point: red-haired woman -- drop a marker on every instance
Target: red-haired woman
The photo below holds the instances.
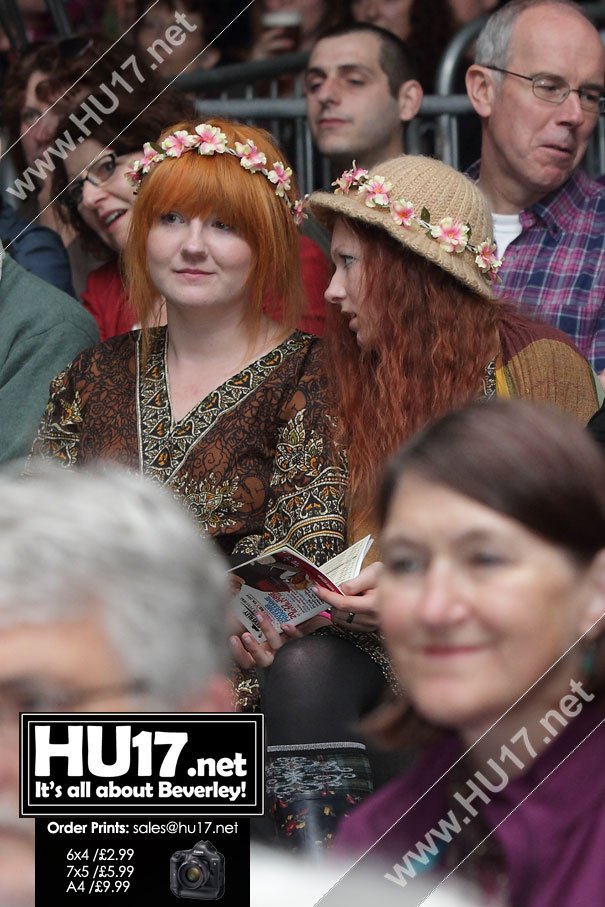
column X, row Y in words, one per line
column 415, row 329
column 414, row 311
column 222, row 404
column 96, row 201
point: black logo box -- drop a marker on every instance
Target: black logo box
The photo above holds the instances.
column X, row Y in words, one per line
column 221, row 751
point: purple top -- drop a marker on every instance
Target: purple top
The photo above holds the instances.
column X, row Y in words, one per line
column 553, row 842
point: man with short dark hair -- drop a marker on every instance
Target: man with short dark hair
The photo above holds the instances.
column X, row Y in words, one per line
column 538, row 84
column 361, row 90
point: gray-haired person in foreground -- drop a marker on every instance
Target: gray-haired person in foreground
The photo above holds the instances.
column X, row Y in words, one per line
column 110, row 600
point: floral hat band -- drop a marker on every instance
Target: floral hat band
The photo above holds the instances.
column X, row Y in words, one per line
column 209, row 140
column 451, row 233
column 423, row 204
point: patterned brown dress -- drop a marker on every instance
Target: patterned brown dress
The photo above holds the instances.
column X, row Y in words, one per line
column 254, row 461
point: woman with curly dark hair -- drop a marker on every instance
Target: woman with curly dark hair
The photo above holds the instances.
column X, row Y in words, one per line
column 46, row 82
column 98, row 208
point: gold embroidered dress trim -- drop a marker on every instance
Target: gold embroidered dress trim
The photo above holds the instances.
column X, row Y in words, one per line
column 164, row 444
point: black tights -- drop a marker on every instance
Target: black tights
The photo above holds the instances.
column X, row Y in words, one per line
column 316, row 690
column 313, row 696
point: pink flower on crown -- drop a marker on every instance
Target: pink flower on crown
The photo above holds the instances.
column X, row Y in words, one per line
column 298, row 210
column 403, row 212
column 359, row 173
column 487, row 260
column 280, row 175
column 209, row 139
column 451, row 234
column 377, row 190
column 150, row 156
column 250, row 157
column 343, row 183
column 134, row 176
column 355, row 176
column 179, row 141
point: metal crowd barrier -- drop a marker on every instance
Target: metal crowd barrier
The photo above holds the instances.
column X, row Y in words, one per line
column 286, row 118
column 252, row 92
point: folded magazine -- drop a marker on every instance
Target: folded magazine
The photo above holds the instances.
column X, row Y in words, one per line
column 280, row 583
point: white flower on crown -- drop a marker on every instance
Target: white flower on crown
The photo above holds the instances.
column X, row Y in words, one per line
column 280, row 175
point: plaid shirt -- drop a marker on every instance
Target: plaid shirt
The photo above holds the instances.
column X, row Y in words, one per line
column 556, row 266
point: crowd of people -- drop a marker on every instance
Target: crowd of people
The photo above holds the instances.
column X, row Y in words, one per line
column 412, row 352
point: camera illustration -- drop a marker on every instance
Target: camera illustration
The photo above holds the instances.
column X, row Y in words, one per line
column 198, row 873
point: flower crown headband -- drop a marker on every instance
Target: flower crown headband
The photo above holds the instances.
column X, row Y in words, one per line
column 451, row 233
column 208, row 140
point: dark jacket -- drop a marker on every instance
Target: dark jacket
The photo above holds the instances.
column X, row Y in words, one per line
column 37, row 249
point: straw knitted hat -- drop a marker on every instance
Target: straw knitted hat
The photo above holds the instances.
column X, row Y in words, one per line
column 426, row 205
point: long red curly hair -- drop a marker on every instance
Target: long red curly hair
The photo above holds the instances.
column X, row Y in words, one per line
column 432, row 338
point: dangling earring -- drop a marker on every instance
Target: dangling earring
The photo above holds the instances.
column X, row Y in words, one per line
column 589, row 659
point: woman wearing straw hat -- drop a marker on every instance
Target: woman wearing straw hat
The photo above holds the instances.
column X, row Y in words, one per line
column 414, row 330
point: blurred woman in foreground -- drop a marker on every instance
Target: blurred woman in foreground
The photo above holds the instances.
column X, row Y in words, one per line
column 491, row 604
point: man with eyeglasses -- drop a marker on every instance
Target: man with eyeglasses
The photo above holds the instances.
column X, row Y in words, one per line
column 538, row 84
column 110, row 600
